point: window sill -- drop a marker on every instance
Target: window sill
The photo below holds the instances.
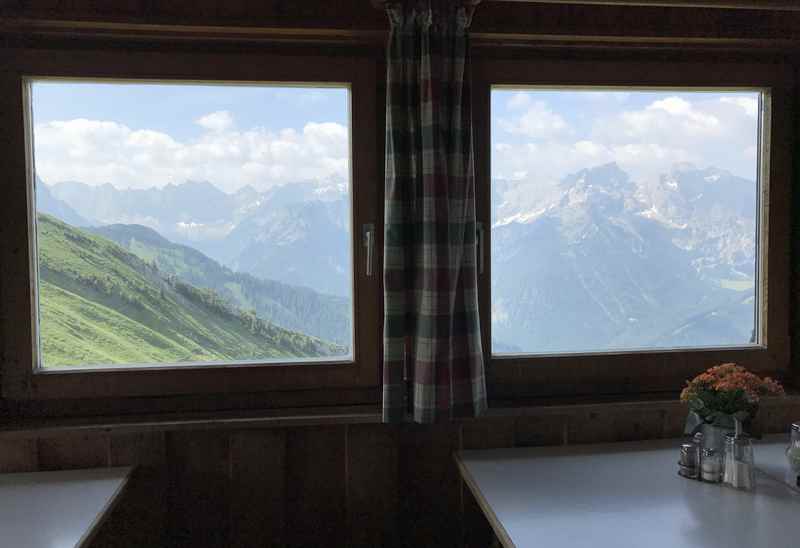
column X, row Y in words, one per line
column 338, row 415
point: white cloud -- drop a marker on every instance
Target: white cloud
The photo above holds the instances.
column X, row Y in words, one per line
column 597, row 96
column 669, row 119
column 748, row 104
column 220, row 120
column 519, row 100
column 530, row 160
column 97, row 152
column 538, row 122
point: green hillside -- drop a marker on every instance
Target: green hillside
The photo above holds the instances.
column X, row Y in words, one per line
column 101, row 304
column 293, row 307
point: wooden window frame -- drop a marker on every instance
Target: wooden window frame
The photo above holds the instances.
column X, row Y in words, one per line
column 21, row 380
column 637, row 372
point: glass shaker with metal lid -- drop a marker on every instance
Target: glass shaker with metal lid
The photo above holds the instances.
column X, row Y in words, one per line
column 793, row 451
column 739, row 466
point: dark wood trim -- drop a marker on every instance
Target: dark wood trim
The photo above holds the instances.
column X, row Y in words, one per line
column 19, row 379
column 596, row 22
column 769, row 5
column 216, row 420
column 514, row 378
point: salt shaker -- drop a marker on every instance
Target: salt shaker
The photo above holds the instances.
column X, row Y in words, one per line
column 739, row 466
column 697, row 440
column 793, row 452
column 711, row 466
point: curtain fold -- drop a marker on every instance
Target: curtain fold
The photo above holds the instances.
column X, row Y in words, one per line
column 433, row 360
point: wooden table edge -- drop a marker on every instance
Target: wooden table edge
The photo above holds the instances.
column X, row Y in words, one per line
column 88, row 536
column 497, row 527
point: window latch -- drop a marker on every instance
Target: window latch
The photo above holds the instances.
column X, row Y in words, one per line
column 368, row 232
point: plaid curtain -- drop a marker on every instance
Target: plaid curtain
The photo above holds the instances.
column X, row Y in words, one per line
column 433, row 361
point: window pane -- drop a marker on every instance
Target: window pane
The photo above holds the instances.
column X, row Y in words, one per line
column 191, row 223
column 624, row 220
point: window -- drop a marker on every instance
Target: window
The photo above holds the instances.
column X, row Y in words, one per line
column 636, row 222
column 625, row 219
column 196, row 224
column 191, row 223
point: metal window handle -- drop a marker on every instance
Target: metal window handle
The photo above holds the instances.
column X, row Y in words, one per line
column 480, row 232
column 369, row 243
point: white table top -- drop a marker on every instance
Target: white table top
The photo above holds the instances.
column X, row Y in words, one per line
column 56, row 509
column 623, row 495
column 771, row 459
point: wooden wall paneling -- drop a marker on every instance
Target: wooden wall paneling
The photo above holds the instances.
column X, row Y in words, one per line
column 674, row 419
column 258, row 493
column 141, row 517
column 430, row 485
column 488, row 433
column 777, row 416
column 18, row 456
column 316, row 491
column 611, row 423
column 372, row 485
column 69, row 451
column 198, row 488
column 540, row 430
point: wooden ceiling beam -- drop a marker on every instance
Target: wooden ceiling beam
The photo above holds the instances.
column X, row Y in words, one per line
column 770, row 5
column 356, row 22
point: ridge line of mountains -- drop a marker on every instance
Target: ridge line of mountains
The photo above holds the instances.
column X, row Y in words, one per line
column 600, row 262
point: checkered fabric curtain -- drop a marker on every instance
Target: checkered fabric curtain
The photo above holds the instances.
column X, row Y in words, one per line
column 433, row 361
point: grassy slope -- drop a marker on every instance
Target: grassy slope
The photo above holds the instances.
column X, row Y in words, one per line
column 293, row 307
column 101, row 304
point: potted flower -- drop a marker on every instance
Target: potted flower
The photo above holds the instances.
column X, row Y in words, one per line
column 723, row 396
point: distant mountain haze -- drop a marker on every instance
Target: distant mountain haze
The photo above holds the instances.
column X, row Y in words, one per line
column 292, row 233
column 609, row 264
column 597, row 262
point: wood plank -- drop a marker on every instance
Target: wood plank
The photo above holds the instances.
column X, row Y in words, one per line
column 198, row 489
column 141, row 518
column 772, row 5
column 488, row 433
column 64, row 452
column 257, row 511
column 316, row 492
column 160, row 422
column 372, row 482
column 615, row 423
column 540, row 430
column 18, row 456
column 430, row 488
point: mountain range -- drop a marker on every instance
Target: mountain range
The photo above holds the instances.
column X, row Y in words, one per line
column 601, row 262
column 610, row 264
column 261, row 233
column 101, row 304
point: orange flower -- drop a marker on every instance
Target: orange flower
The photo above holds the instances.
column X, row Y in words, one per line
column 732, row 380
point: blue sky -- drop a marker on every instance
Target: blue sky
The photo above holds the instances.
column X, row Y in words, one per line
column 141, row 135
column 137, row 135
column 545, row 134
column 172, row 110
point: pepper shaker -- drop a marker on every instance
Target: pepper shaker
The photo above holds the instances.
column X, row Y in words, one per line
column 689, row 463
